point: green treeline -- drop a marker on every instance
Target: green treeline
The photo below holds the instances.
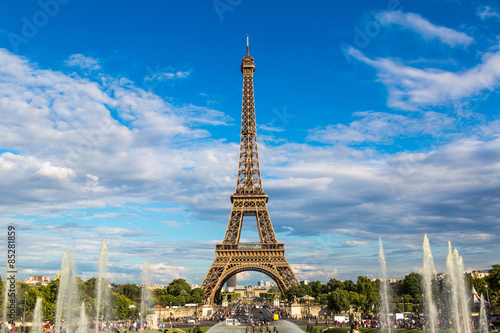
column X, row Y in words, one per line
column 404, row 294
column 124, row 300
column 363, row 295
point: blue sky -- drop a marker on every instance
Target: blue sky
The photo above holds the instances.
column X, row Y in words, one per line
column 120, row 120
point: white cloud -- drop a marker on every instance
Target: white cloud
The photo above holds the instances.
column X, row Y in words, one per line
column 84, row 62
column 383, row 128
column 411, row 88
column 313, row 273
column 355, row 243
column 264, row 127
column 173, row 224
column 423, row 27
column 485, row 12
column 169, row 76
column 54, row 172
column 64, row 133
column 161, row 75
column 166, row 273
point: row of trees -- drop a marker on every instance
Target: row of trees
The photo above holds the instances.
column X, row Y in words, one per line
column 124, row 300
column 405, row 294
column 363, row 295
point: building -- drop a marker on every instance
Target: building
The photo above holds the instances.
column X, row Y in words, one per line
column 477, row 274
column 305, row 282
column 250, row 291
column 37, row 280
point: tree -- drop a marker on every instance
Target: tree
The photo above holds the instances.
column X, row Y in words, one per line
column 316, row 288
column 121, row 306
column 493, row 280
column 338, row 300
column 349, row 285
column 410, row 285
column 334, row 284
column 479, row 284
column 131, row 291
column 368, row 294
column 90, row 287
column 197, row 295
column 297, row 291
column 177, row 286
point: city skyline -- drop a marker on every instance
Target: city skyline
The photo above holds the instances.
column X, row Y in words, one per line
column 375, row 118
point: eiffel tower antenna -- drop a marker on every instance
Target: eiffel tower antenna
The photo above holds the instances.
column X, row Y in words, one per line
column 249, row 199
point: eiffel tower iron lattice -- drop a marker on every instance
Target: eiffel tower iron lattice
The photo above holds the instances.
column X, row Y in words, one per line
column 249, row 199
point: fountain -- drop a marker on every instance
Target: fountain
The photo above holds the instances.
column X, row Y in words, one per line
column 428, row 273
column 145, row 293
column 456, row 295
column 82, row 322
column 37, row 316
column 67, row 304
column 384, row 313
column 483, row 321
column 102, row 284
column 458, row 302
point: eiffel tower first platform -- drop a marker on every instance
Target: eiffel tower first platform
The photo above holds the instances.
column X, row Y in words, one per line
column 249, row 199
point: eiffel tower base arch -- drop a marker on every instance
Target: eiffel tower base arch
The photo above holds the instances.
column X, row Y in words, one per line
column 229, row 260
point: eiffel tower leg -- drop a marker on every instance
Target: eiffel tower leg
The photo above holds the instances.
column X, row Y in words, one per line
column 212, row 281
column 265, row 227
column 233, row 230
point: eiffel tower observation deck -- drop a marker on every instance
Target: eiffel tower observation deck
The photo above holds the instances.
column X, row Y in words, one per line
column 249, row 199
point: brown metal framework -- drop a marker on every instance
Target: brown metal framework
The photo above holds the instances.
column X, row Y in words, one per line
column 249, row 199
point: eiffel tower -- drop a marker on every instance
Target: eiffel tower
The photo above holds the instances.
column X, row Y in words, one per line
column 249, row 199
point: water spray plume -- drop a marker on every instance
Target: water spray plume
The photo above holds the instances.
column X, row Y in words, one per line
column 102, row 284
column 384, row 311
column 429, row 272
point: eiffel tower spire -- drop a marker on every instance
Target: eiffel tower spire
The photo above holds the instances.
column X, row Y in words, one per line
column 249, row 181
column 249, row 199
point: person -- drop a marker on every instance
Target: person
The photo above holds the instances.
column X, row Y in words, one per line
column 354, row 329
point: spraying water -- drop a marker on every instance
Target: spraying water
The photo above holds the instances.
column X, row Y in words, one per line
column 459, row 300
column 63, row 286
column 67, row 305
column 145, row 293
column 384, row 313
column 82, row 322
column 37, row 317
column 463, row 293
column 483, row 321
column 453, row 301
column 429, row 271
column 102, row 283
